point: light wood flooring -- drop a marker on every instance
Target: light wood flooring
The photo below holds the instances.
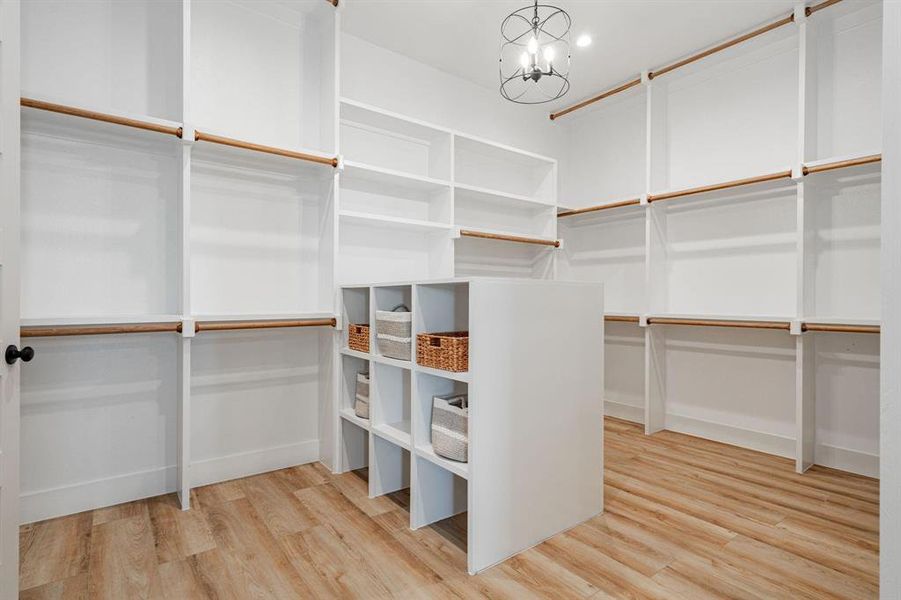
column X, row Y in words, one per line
column 685, row 518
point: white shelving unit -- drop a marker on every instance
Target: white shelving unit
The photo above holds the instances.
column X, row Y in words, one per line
column 794, row 248
column 521, row 445
column 134, row 222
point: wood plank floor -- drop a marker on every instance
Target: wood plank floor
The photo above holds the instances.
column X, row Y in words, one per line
column 685, row 518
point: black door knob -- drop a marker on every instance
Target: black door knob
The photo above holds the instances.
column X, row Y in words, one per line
column 13, row 354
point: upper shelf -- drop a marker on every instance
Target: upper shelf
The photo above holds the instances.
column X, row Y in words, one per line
column 356, row 173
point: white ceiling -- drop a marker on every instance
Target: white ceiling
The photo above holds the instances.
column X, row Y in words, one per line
column 462, row 37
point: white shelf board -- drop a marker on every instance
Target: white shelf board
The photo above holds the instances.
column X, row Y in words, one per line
column 264, row 316
column 396, row 433
column 841, row 321
column 355, row 353
column 349, row 415
column 462, row 376
column 498, row 197
column 388, row 222
column 480, row 145
column 354, row 111
column 722, row 317
column 97, row 320
column 393, row 362
column 358, row 171
column 748, row 190
column 457, row 468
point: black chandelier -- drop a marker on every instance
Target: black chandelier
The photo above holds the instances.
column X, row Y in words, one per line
column 535, row 56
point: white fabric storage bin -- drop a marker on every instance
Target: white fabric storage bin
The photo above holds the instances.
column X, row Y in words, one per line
column 394, row 330
column 361, row 398
column 450, row 426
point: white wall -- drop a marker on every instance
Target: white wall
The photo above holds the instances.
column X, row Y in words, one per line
column 890, row 443
column 388, row 80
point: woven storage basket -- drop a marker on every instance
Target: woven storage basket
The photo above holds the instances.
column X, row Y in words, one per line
column 393, row 329
column 358, row 337
column 450, row 426
column 448, row 351
column 361, row 399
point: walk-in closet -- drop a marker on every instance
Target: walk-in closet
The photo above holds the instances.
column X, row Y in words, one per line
column 512, row 299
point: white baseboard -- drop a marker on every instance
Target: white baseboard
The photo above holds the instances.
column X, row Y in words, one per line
column 98, row 493
column 844, row 459
column 729, row 434
column 626, row 412
column 233, row 466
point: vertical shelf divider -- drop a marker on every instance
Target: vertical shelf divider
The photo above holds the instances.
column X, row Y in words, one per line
column 184, row 225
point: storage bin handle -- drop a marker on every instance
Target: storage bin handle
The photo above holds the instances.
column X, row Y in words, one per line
column 434, row 340
column 400, row 307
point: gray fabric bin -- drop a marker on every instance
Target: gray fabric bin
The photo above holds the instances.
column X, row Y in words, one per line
column 450, row 426
column 361, row 398
column 394, row 330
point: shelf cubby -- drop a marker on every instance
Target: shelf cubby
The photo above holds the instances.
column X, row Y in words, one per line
column 260, row 230
column 265, row 72
column 731, row 252
column 490, row 166
column 607, row 158
column 106, row 55
column 475, row 208
column 842, row 234
column 726, row 116
column 608, row 247
column 844, row 423
column 844, row 81
column 394, row 199
column 99, row 219
column 390, row 396
column 383, row 139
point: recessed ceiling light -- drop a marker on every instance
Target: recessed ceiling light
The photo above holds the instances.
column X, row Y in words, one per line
column 583, row 41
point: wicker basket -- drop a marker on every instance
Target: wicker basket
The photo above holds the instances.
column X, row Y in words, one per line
column 448, row 351
column 450, row 426
column 361, row 398
column 358, row 337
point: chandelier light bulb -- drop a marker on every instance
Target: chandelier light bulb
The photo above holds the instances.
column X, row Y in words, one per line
column 549, row 54
column 583, row 41
column 524, row 60
column 533, row 46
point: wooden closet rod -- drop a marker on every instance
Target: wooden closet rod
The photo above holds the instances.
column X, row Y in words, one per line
column 591, row 209
column 720, row 47
column 695, row 57
column 783, row 325
column 67, row 330
column 509, row 238
column 841, row 164
column 224, row 141
column 235, row 325
column 817, row 7
column 720, row 186
column 621, row 318
column 840, row 328
column 99, row 116
column 598, row 98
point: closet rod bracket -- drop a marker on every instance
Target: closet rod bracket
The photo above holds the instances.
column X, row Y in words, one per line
column 187, row 328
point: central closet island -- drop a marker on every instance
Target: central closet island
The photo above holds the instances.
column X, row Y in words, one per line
column 535, row 424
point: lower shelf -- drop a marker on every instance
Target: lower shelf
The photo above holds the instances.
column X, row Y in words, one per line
column 397, row 433
column 457, row 468
column 349, row 415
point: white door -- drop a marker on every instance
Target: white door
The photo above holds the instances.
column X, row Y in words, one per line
column 9, row 298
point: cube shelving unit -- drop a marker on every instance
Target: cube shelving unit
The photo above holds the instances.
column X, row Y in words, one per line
column 534, row 462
